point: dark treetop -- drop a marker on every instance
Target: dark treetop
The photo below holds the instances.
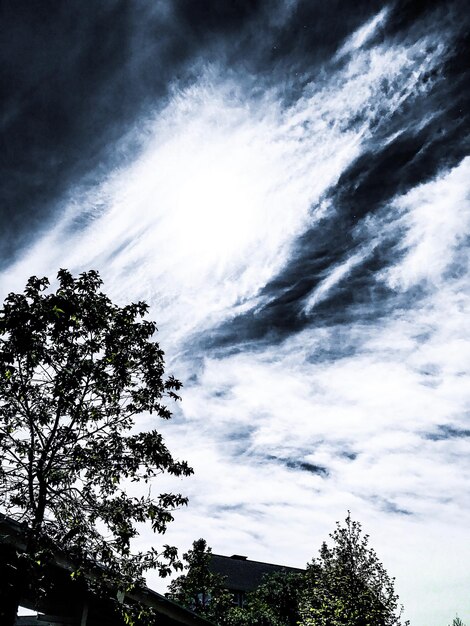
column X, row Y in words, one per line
column 75, row 370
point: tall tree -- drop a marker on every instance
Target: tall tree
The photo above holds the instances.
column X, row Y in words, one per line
column 347, row 585
column 75, row 371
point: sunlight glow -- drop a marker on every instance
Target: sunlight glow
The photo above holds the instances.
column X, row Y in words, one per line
column 227, row 179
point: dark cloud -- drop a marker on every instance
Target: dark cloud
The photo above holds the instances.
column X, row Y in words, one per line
column 351, row 456
column 389, row 506
column 299, row 464
column 238, row 440
column 427, row 135
column 447, row 431
column 413, row 12
column 358, row 297
column 309, row 467
column 76, row 76
column 208, row 17
column 59, row 63
column 311, row 33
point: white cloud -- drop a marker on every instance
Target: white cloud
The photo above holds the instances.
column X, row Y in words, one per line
column 335, row 276
column 436, row 218
column 363, row 34
column 199, row 224
column 227, row 181
column 369, row 417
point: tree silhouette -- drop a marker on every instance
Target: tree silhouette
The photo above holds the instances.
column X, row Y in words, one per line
column 199, row 589
column 347, row 585
column 75, row 371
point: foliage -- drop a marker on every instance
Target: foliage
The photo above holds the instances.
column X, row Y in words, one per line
column 273, row 603
column 199, row 589
column 276, row 601
column 347, row 585
column 457, row 621
column 75, row 371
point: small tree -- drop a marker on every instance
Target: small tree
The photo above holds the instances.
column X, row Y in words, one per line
column 273, row 603
column 75, row 370
column 199, row 589
column 348, row 586
column 276, row 601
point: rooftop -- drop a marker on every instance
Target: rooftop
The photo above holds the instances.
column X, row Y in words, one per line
column 243, row 574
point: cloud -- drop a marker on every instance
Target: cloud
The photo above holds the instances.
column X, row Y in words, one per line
column 362, row 35
column 298, row 222
column 77, row 80
column 436, row 220
column 335, row 276
column 387, row 421
column 208, row 214
column 447, row 432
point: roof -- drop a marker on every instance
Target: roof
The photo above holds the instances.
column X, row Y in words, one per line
column 66, row 596
column 243, row 574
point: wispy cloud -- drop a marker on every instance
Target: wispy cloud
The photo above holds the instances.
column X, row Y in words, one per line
column 435, row 218
column 335, row 276
column 307, row 263
column 363, row 34
column 387, row 423
column 209, row 212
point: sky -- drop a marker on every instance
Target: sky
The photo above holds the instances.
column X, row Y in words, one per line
column 287, row 184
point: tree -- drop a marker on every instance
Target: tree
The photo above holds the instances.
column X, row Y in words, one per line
column 457, row 621
column 273, row 603
column 276, row 601
column 75, row 371
column 347, row 585
column 199, row 589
